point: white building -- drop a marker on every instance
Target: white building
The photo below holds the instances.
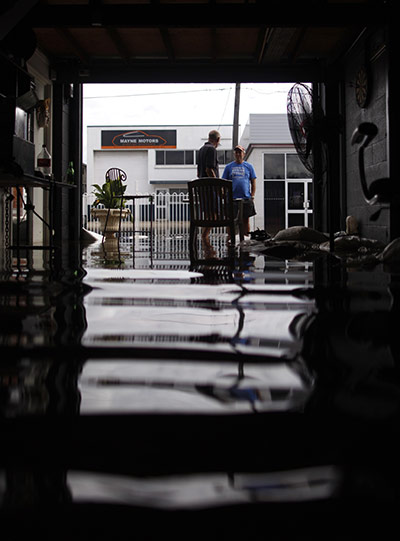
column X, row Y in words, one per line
column 284, row 185
column 153, row 157
column 163, row 158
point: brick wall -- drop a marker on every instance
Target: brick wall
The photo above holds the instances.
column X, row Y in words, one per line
column 369, row 50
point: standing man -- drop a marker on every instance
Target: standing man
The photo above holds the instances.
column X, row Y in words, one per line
column 207, row 165
column 243, row 178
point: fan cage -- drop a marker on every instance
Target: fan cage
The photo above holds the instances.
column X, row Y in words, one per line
column 300, row 120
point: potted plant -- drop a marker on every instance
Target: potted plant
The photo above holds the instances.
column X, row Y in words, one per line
column 110, row 197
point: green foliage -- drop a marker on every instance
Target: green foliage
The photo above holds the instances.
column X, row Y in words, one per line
column 110, row 194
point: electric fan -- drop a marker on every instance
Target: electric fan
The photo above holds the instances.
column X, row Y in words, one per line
column 302, row 119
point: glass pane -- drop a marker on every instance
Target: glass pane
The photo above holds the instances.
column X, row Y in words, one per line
column 189, row 158
column 221, row 157
column 274, row 207
column 296, row 195
column 160, row 157
column 274, row 166
column 175, row 157
column 295, row 168
column 295, row 219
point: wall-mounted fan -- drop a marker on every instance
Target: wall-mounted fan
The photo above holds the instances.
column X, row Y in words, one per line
column 305, row 122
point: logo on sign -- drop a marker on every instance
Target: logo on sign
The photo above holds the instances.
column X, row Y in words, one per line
column 138, row 139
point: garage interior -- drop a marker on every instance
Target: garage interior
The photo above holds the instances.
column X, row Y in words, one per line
column 346, row 435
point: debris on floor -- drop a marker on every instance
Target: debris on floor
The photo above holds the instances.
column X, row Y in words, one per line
column 299, row 241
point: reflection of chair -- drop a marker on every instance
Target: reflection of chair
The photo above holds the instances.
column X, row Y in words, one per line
column 211, row 205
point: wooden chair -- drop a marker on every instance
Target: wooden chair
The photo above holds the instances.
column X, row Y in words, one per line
column 211, row 205
column 113, row 174
column 116, row 174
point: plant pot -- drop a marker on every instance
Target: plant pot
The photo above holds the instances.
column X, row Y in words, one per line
column 112, row 226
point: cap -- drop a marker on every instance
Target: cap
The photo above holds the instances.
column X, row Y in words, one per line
column 238, row 147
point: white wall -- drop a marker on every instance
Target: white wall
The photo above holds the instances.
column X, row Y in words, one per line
column 133, row 162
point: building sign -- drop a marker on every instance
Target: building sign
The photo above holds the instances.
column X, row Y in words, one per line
column 147, row 138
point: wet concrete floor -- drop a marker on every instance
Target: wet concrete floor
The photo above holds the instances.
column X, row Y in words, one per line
column 246, row 397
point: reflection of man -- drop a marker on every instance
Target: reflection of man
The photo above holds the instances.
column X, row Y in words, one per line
column 243, row 178
column 207, row 165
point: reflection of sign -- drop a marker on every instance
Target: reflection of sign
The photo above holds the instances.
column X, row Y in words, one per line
column 138, row 139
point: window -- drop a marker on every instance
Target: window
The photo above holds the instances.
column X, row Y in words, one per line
column 274, row 166
column 160, row 157
column 295, row 167
column 277, row 166
column 189, row 157
column 224, row 156
column 174, row 157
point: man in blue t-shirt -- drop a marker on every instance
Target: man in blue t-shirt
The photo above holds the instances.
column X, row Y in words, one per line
column 243, row 178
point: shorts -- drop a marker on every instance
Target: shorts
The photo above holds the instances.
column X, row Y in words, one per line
column 248, row 208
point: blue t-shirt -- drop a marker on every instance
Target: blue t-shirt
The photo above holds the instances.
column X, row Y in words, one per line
column 240, row 174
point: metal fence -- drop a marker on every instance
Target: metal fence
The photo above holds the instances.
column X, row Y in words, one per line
column 160, row 227
column 168, row 214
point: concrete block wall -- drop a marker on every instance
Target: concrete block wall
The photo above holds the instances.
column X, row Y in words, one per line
column 371, row 51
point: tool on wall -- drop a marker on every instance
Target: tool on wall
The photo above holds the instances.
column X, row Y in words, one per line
column 379, row 191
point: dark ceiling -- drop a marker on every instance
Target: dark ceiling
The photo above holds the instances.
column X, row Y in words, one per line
column 198, row 40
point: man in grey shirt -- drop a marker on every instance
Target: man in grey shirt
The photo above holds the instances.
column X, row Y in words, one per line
column 207, row 165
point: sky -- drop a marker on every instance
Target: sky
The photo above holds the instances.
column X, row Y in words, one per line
column 144, row 105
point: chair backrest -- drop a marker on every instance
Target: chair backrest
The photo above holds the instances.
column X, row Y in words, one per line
column 211, row 202
column 116, row 174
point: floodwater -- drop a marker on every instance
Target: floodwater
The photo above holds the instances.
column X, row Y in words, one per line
column 145, row 395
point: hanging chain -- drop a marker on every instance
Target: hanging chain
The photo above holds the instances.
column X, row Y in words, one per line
column 7, row 202
column 7, row 227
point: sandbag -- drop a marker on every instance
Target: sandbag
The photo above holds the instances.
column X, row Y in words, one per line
column 352, row 244
column 391, row 254
column 301, row 233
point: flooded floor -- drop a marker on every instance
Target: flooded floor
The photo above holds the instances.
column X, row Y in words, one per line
column 146, row 395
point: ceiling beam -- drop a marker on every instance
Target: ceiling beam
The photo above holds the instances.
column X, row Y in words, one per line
column 228, row 15
column 167, row 43
column 187, row 72
column 75, row 46
column 264, row 37
column 118, row 43
column 11, row 17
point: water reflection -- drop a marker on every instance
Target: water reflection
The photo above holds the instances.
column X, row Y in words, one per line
column 166, row 387
column 230, row 384
column 162, row 308
column 207, row 490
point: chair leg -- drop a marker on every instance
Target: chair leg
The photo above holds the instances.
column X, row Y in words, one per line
column 232, row 233
column 241, row 232
column 192, row 241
